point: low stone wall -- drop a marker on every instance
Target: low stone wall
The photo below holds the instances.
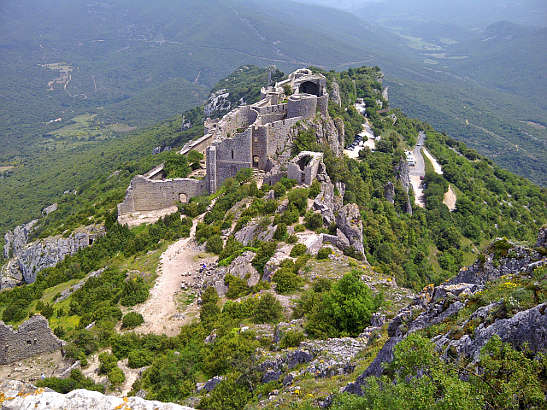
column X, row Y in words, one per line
column 147, row 195
column 33, row 337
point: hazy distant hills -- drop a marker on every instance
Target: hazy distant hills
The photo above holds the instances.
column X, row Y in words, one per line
column 137, row 62
column 118, row 50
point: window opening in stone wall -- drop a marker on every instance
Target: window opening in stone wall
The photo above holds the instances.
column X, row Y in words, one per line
column 307, row 87
column 232, row 154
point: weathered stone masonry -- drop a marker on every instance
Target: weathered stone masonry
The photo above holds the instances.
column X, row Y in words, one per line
column 250, row 136
column 33, row 337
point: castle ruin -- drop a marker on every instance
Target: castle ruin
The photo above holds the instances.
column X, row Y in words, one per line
column 32, row 338
column 250, row 136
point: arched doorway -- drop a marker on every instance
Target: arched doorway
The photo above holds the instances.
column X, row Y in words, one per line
column 183, row 198
column 309, row 87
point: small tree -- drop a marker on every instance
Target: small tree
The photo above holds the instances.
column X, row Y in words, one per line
column 214, row 244
column 195, row 157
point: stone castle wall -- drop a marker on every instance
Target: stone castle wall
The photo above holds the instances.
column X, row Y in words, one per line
column 148, row 195
column 233, row 154
column 255, row 136
column 33, row 337
column 302, row 105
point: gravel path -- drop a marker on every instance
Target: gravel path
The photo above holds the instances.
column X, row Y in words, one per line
column 178, row 264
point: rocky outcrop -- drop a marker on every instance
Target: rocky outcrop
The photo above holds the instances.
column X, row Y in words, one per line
column 31, row 338
column 389, row 192
column 490, row 267
column 15, row 240
column 327, row 202
column 16, row 395
column 242, row 268
column 436, row 304
column 49, row 209
column 217, row 104
column 334, row 94
column 351, row 226
column 527, row 327
column 29, row 259
column 402, row 173
column 326, row 131
column 253, row 231
column 67, row 292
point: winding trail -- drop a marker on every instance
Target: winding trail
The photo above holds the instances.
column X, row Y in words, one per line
column 178, row 264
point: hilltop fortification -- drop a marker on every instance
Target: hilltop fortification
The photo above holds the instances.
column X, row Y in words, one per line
column 250, row 136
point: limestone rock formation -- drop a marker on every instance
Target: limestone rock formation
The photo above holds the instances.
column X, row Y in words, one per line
column 15, row 240
column 217, row 104
column 402, row 174
column 527, row 327
column 29, row 259
column 436, row 304
column 334, row 94
column 31, row 338
column 389, row 192
column 327, row 202
column 49, row 209
column 350, row 224
column 18, row 395
column 242, row 268
column 253, row 231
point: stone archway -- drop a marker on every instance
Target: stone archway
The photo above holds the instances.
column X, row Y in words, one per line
column 309, row 87
column 256, row 161
column 183, row 198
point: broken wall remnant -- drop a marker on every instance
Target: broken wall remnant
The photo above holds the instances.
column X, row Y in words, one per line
column 31, row 338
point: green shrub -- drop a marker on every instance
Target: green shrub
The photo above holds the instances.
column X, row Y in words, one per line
column 139, row 358
column 298, row 249
column 132, row 320
column 116, row 376
column 286, row 281
column 279, row 189
column 267, row 310
column 76, row 380
column 291, row 338
column 229, row 394
column 292, row 238
column 263, row 255
column 324, row 253
column 209, row 310
column 313, row 220
column 59, row 332
column 314, row 189
column 107, row 362
column 269, row 207
column 134, row 291
column 237, row 287
column 214, row 244
column 280, row 233
column 299, row 198
column 345, row 309
column 299, row 228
